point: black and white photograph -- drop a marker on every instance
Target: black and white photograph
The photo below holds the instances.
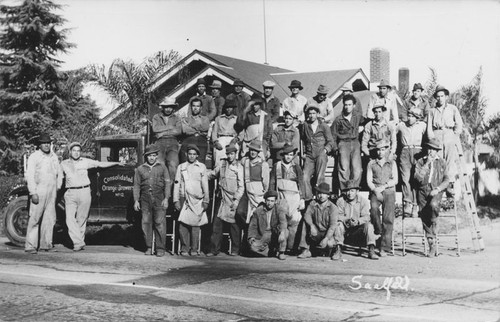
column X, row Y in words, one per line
column 250, row 160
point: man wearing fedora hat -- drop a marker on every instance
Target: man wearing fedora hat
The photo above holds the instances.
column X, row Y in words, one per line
column 256, row 125
column 320, row 221
column 208, row 108
column 191, row 198
column 151, row 193
column 241, row 98
column 223, row 131
column 410, row 135
column 345, row 133
column 378, row 129
column 347, row 90
column 77, row 198
column 318, row 142
column 354, row 226
column 218, row 99
column 382, row 98
column 256, row 177
column 285, row 133
column 288, row 181
column 195, row 131
column 416, row 100
column 231, row 189
column 271, row 103
column 445, row 123
column 44, row 177
column 324, row 104
column 382, row 178
column 167, row 129
column 431, row 175
column 295, row 103
column 267, row 231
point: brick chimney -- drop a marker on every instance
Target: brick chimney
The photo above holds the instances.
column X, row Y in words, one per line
column 404, row 80
column 379, row 66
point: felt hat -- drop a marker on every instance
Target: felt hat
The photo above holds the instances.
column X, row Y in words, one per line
column 200, row 81
column 192, row 147
column 168, row 102
column 44, row 138
column 323, row 187
column 216, row 84
column 434, row 144
column 441, row 88
column 269, row 84
column 381, row 106
column 230, row 103
column 312, row 105
column 73, row 144
column 256, row 98
column 415, row 111
column 255, row 145
column 150, row 149
column 288, row 148
column 231, row 148
column 346, row 88
column 417, row 86
column 351, row 184
column 296, row 84
column 322, row 89
column 238, row 82
column 384, row 83
column 270, row 193
column 381, row 144
column 285, row 113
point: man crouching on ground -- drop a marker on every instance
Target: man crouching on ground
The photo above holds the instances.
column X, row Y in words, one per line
column 354, row 225
column 319, row 223
column 268, row 227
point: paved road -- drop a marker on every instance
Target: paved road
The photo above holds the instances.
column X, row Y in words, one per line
column 119, row 283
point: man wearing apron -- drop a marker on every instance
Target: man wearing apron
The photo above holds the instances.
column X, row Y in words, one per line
column 288, row 181
column 191, row 198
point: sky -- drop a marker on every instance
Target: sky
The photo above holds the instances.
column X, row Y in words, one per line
column 454, row 37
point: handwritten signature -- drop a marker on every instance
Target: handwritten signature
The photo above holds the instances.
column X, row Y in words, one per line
column 395, row 283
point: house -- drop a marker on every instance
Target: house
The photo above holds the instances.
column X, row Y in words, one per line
column 179, row 81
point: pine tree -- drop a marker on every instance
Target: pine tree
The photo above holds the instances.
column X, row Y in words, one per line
column 30, row 39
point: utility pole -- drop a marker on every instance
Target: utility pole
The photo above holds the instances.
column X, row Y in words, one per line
column 265, row 36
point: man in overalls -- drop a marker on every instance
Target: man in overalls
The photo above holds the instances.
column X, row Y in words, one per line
column 231, row 189
column 191, row 198
column 288, row 181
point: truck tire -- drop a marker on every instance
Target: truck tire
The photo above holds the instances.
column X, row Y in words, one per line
column 16, row 220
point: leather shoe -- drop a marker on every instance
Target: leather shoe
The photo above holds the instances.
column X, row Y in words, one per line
column 281, row 256
column 306, row 253
column 371, row 252
column 337, row 255
column 160, row 253
column 148, row 251
column 31, row 251
column 382, row 253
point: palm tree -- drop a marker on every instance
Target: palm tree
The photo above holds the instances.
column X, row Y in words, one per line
column 129, row 85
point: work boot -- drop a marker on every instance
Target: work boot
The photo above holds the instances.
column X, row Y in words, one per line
column 148, row 251
column 371, row 252
column 414, row 212
column 281, row 256
column 305, row 254
column 210, row 254
column 31, row 251
column 160, row 253
column 382, row 253
column 337, row 255
column 432, row 247
column 407, row 210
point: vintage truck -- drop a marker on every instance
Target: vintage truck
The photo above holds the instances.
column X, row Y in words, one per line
column 112, row 200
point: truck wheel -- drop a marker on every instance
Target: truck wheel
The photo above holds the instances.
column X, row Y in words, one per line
column 16, row 220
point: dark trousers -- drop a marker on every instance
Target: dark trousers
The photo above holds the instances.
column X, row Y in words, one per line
column 153, row 220
column 385, row 227
column 349, row 162
column 307, row 240
column 190, row 238
column 217, row 229
column 169, row 154
column 429, row 210
column 200, row 141
column 407, row 161
column 314, row 167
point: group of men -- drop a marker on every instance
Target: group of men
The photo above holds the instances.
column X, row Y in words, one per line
column 269, row 162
